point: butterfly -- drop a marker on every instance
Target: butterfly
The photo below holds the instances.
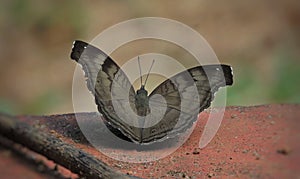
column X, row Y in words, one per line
column 114, row 92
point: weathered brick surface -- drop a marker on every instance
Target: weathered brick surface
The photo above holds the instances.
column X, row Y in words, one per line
column 252, row 142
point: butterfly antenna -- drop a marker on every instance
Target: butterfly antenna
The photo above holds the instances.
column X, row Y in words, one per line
column 140, row 70
column 149, row 72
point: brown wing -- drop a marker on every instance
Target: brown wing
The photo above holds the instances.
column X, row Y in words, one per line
column 102, row 73
column 183, row 102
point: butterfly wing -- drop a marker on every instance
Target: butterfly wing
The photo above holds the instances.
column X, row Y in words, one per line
column 103, row 74
column 109, row 84
column 179, row 94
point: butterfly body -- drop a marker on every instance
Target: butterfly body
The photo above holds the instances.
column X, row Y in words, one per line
column 170, row 109
column 142, row 101
column 142, row 107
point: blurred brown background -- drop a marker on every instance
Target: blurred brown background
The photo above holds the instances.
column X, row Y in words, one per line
column 259, row 38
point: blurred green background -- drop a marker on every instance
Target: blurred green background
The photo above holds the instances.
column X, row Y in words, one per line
column 259, row 38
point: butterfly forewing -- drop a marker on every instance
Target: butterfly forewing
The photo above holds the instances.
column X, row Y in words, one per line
column 209, row 79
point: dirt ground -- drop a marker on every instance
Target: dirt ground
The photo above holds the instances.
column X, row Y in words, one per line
column 252, row 142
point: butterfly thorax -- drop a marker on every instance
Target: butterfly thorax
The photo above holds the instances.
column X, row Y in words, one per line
column 142, row 101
